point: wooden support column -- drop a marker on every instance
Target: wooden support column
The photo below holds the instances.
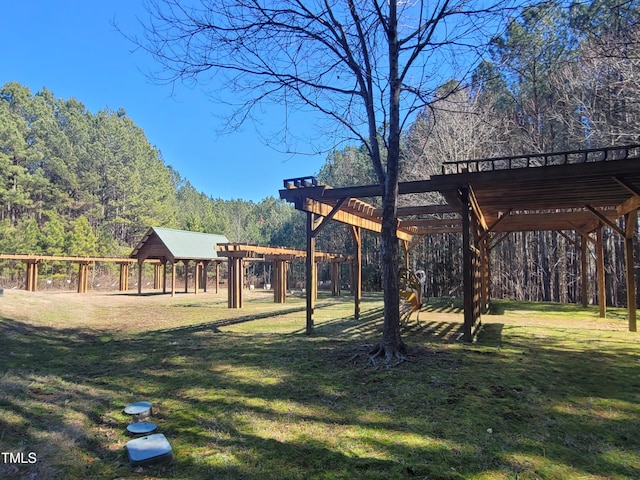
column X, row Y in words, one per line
column 280, row 269
column 173, row 278
column 164, row 276
column 584, row 287
column 31, row 280
column 124, row 276
column 236, row 274
column 157, row 276
column 28, row 276
column 485, row 267
column 631, row 222
column 186, row 275
column 405, row 250
column 34, row 277
column 217, row 276
column 83, row 277
column 467, row 270
column 197, row 272
column 203, row 276
column 335, row 277
column 356, row 232
column 314, row 226
column 311, row 286
column 140, row 275
column 602, row 293
column 352, row 276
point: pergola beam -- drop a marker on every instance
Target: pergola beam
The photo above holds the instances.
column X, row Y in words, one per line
column 316, row 207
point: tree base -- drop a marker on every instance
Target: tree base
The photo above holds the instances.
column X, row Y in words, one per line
column 389, row 355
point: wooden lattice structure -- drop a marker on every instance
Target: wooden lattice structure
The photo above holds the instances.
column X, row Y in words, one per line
column 238, row 254
column 485, row 200
column 33, row 260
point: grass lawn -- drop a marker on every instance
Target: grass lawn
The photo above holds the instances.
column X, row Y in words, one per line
column 547, row 392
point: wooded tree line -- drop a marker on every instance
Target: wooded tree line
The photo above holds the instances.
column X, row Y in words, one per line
column 561, row 77
column 80, row 183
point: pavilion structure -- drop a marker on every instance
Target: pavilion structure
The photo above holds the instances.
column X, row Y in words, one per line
column 166, row 245
column 484, row 201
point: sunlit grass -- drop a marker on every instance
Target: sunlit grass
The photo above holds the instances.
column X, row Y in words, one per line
column 547, row 392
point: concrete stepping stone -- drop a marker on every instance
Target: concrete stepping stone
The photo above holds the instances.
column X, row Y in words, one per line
column 149, row 450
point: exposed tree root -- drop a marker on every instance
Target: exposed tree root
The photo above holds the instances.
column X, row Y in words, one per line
column 389, row 355
column 360, row 356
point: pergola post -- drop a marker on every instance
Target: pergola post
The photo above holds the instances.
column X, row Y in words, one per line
column 584, row 288
column 311, row 286
column 485, row 268
column 236, row 274
column 124, row 276
column 280, row 269
column 631, row 222
column 352, row 276
column 467, row 264
column 357, row 277
column 405, row 250
column 31, row 281
column 602, row 293
column 217, row 276
column 335, row 277
column 83, row 277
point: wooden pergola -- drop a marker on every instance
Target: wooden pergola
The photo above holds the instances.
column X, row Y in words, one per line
column 487, row 199
column 240, row 253
column 33, row 260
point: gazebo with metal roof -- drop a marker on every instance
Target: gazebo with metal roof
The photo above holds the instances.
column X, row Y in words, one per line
column 172, row 246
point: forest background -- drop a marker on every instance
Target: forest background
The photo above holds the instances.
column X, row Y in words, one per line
column 562, row 77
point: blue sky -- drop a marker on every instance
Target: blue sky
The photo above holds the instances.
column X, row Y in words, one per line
column 71, row 48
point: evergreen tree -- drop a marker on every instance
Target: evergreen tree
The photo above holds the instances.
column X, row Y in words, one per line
column 82, row 240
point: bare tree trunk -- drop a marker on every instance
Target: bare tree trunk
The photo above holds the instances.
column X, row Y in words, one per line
column 391, row 345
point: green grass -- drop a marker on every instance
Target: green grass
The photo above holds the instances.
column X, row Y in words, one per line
column 547, row 392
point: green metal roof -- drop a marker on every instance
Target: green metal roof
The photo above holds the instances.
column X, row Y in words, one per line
column 178, row 244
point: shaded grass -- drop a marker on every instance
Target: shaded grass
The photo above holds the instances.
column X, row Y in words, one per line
column 245, row 394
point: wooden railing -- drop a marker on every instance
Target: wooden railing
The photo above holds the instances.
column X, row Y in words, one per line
column 300, row 182
column 542, row 159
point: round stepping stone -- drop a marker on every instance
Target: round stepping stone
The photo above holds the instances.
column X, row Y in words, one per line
column 139, row 409
column 142, row 428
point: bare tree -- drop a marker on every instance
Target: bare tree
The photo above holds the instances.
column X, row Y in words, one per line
column 367, row 65
column 459, row 127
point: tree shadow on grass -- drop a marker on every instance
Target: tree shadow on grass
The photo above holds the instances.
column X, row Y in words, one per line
column 281, row 406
